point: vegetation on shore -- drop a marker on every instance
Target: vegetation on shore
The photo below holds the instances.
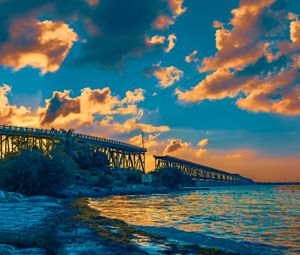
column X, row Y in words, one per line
column 34, row 172
column 171, row 178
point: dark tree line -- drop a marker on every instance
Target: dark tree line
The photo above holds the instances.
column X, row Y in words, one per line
column 32, row 172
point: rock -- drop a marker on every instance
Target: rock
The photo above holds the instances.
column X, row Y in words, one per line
column 10, row 196
column 80, row 240
column 6, row 249
column 81, row 190
column 11, row 250
column 76, row 190
column 26, row 221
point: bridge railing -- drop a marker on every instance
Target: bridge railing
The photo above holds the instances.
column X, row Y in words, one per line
column 26, row 130
column 106, row 140
column 59, row 134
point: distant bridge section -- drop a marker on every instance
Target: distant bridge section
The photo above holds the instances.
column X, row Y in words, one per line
column 200, row 172
column 119, row 154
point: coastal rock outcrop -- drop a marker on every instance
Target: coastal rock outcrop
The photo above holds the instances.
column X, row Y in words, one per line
column 9, row 250
column 26, row 222
column 74, row 190
column 10, row 197
column 37, row 225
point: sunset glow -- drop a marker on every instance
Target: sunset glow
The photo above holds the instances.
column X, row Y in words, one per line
column 213, row 82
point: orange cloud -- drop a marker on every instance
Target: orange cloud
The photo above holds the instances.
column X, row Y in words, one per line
column 218, row 85
column 134, row 96
column 155, row 40
column 163, row 22
column 201, row 152
column 161, row 40
column 60, row 106
column 258, row 99
column 167, row 76
column 245, row 66
column 93, row 2
column 64, row 111
column 240, row 45
column 203, row 143
column 175, row 145
column 61, row 109
column 295, row 33
column 131, row 124
column 257, row 93
column 180, row 149
column 192, row 57
column 293, row 45
column 218, row 24
column 150, row 142
column 176, row 7
column 12, row 114
column 47, row 45
column 171, row 39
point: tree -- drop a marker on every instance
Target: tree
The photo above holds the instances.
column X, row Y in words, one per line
column 134, row 176
column 84, row 155
column 33, row 173
column 172, row 177
column 69, row 143
column 88, row 158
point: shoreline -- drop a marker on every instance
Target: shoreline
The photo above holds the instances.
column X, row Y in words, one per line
column 42, row 224
column 131, row 238
column 78, row 191
column 47, row 225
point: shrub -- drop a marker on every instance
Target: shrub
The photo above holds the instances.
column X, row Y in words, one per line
column 87, row 159
column 171, row 178
column 33, row 173
column 134, row 176
column 102, row 180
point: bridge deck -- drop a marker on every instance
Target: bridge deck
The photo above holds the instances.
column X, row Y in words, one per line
column 57, row 134
column 189, row 163
column 191, row 167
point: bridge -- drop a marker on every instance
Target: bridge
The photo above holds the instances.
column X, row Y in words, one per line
column 119, row 154
column 201, row 173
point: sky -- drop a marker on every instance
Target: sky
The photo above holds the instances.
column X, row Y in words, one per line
column 214, row 82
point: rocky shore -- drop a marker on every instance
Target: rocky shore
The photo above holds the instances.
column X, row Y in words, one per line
column 25, row 223
column 44, row 225
column 77, row 191
column 67, row 225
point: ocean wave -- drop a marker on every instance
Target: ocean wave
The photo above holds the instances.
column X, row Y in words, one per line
column 240, row 247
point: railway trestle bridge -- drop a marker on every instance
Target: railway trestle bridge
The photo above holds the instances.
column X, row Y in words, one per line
column 200, row 173
column 119, row 154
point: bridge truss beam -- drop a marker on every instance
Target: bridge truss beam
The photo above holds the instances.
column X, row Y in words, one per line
column 120, row 155
column 199, row 172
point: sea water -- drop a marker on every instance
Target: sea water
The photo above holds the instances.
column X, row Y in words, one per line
column 246, row 219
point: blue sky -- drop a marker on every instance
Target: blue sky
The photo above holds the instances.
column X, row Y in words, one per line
column 229, row 128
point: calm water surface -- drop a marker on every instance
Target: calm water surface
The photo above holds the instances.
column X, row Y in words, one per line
column 268, row 215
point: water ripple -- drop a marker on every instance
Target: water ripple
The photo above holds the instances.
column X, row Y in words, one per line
column 266, row 214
